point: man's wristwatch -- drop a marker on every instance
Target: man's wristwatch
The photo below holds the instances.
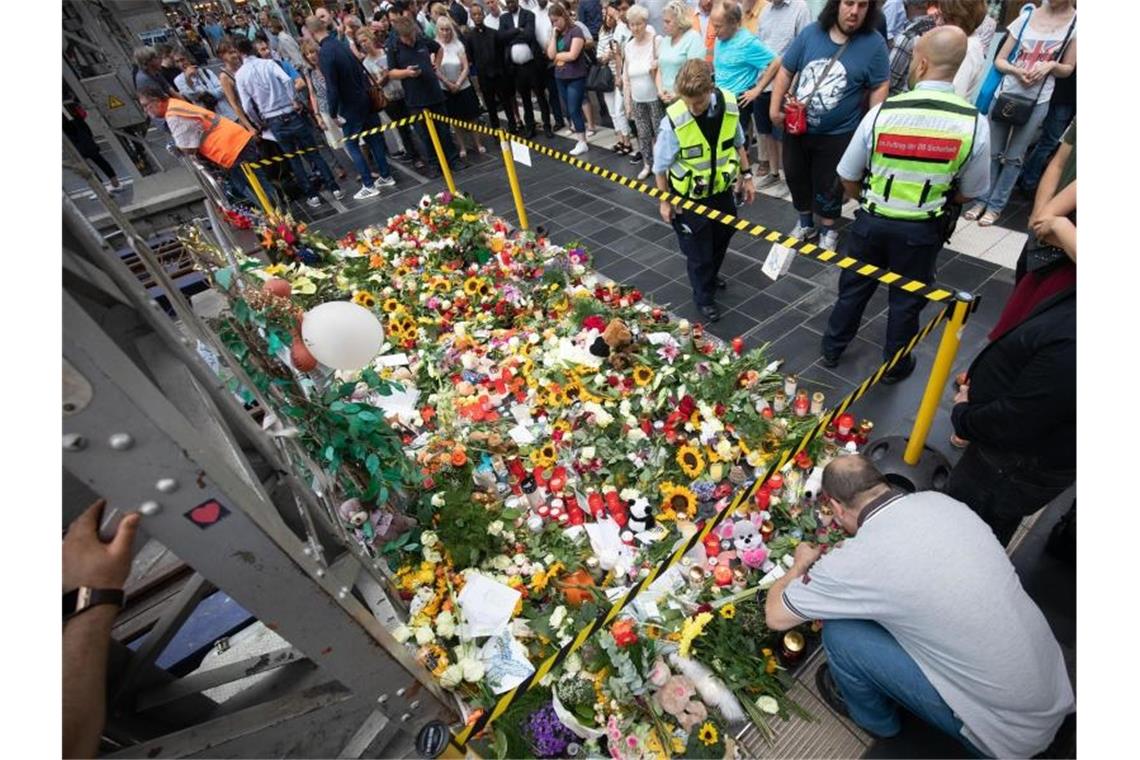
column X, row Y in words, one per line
column 85, row 597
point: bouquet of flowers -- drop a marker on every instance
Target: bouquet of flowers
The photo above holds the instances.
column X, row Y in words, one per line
column 555, row 437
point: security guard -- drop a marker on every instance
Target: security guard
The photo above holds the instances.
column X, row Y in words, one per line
column 700, row 155
column 912, row 163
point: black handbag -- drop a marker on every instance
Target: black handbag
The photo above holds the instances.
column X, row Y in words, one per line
column 600, row 78
column 1015, row 110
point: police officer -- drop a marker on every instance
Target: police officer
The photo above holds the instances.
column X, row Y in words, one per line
column 912, row 162
column 699, row 154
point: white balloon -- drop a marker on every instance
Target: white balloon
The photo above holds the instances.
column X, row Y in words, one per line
column 342, row 335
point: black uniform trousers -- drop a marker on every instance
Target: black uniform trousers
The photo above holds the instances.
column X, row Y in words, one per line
column 704, row 243
column 498, row 90
column 905, row 247
column 530, row 78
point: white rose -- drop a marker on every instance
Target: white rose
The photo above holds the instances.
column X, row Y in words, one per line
column 437, row 500
column 768, row 704
column 402, row 633
column 451, row 677
column 495, row 528
column 548, row 559
column 558, row 616
column 636, row 435
column 573, row 663
column 624, row 407
column 509, row 537
column 589, row 452
column 424, row 635
column 445, row 625
column 473, row 670
column 501, row 562
column 429, row 538
column 628, row 494
column 431, row 555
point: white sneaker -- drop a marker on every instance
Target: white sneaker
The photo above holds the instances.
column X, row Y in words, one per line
column 829, row 239
column 338, row 193
column 386, row 182
column 314, row 202
column 580, row 148
column 365, row 192
column 799, row 232
column 645, row 172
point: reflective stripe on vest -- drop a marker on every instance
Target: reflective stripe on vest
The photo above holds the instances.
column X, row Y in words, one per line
column 692, row 173
column 920, row 141
column 222, row 140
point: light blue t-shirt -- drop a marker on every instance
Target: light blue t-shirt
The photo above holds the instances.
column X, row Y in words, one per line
column 739, row 61
column 671, row 57
column 837, row 105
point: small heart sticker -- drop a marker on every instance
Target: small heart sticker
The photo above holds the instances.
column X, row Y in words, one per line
column 207, row 514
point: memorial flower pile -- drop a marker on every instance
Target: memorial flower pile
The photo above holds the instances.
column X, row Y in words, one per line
column 559, row 435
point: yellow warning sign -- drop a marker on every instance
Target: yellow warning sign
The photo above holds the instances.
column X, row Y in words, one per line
column 113, row 102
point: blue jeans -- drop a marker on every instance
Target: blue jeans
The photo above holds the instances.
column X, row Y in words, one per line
column 874, row 673
column 574, row 92
column 293, row 134
column 1057, row 120
column 1007, row 152
column 553, row 96
column 375, row 145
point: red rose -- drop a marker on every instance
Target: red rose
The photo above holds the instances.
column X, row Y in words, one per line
column 623, row 632
column 687, row 406
column 594, row 322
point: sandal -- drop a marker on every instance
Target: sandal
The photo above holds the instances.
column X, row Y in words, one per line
column 973, row 213
column 988, row 218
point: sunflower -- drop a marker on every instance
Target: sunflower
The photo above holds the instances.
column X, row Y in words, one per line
column 408, row 325
column 401, row 271
column 390, row 305
column 676, row 500
column 544, row 456
column 691, row 461
column 642, row 375
column 434, row 658
column 728, row 611
column 471, row 286
column 708, row 734
column 364, row 298
column 564, row 426
column 484, row 289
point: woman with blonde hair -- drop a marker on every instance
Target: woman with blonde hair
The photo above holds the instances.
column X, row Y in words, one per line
column 678, row 43
column 453, row 71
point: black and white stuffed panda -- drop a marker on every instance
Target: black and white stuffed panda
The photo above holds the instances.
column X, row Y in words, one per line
column 640, row 518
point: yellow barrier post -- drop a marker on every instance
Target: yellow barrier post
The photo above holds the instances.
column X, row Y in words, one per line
column 439, row 152
column 513, row 177
column 939, row 374
column 258, row 190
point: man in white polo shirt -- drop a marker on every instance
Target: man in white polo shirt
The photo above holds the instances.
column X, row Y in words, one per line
column 921, row 607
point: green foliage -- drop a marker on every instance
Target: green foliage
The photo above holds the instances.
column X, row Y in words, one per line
column 463, row 523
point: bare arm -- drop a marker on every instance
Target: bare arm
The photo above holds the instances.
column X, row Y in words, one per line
column 464, row 70
column 1063, row 203
column 1050, row 179
column 86, row 644
column 230, row 90
column 88, row 561
column 552, row 47
column 779, row 91
column 851, row 189
column 766, row 76
column 776, row 614
column 572, row 54
column 879, row 94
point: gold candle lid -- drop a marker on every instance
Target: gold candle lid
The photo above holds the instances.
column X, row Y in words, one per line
column 794, row 641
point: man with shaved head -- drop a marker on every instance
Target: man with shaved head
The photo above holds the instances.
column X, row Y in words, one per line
column 922, row 608
column 911, row 163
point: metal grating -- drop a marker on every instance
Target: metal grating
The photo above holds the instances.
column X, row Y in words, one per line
column 828, row 736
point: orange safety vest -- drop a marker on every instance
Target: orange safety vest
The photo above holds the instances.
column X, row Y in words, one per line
column 222, row 140
column 710, row 37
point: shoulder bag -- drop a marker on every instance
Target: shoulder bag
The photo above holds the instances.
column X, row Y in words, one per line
column 795, row 112
column 1014, row 109
column 599, row 77
column 993, row 77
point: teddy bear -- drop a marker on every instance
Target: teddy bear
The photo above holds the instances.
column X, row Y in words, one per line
column 749, row 544
column 614, row 343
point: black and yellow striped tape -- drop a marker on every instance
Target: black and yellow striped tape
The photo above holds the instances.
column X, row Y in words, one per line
column 351, row 138
column 931, row 292
column 459, row 741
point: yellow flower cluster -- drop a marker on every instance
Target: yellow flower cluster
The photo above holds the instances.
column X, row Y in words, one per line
column 539, row 580
column 676, row 500
column 692, row 628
